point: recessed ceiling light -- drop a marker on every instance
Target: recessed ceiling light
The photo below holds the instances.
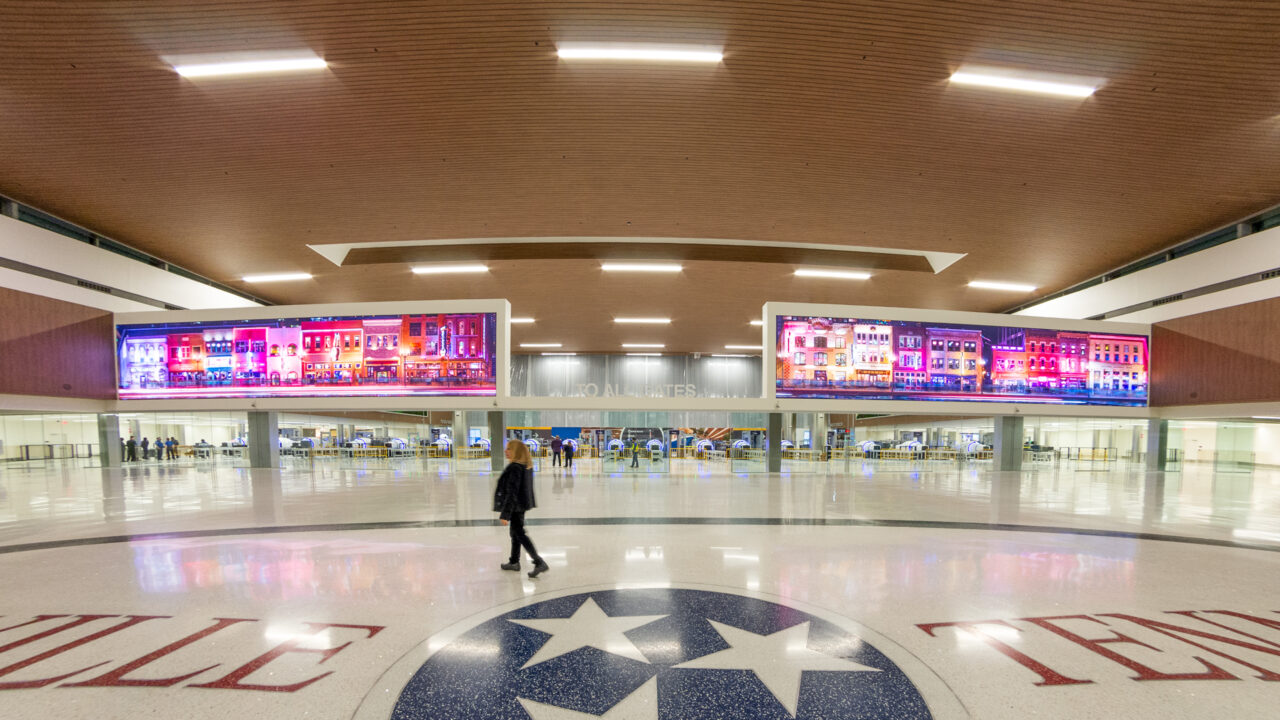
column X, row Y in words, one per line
column 248, row 65
column 521, row 320
column 644, row 354
column 559, row 354
column 643, row 345
column 276, row 277
column 1027, row 81
column 540, row 345
column 445, row 269
column 644, row 321
column 743, row 347
column 641, row 267
column 841, row 274
column 640, row 51
column 757, row 323
column 1014, row 287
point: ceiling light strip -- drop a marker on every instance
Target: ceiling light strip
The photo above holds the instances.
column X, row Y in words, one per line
column 1027, row 81
column 250, row 67
column 276, row 277
column 449, row 269
column 642, row 52
column 991, row 285
column 641, row 267
column 838, row 274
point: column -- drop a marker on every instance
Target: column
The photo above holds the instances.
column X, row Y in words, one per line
column 459, row 433
column 1008, row 442
column 263, row 438
column 109, row 440
column 497, row 439
column 773, row 453
column 1157, row 445
column 820, row 436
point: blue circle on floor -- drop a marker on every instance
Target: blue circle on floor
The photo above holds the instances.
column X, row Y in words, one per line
column 659, row 653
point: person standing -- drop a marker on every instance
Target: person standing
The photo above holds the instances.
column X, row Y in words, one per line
column 568, row 455
column 556, row 446
column 513, row 497
column 145, row 444
column 172, row 447
column 131, row 448
column 635, row 454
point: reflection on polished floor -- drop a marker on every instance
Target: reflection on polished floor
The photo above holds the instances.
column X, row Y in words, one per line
column 372, row 590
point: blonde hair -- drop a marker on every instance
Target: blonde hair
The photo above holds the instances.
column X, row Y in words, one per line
column 519, row 452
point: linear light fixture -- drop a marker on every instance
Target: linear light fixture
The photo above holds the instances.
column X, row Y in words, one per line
column 1027, row 81
column 644, row 354
column 644, row 52
column 1265, row 417
column 276, row 277
column 251, row 66
column 840, row 274
column 729, row 355
column 521, row 320
column 643, row 320
column 541, row 345
column 643, row 345
column 641, row 267
column 757, row 323
column 561, row 354
column 743, row 347
column 1013, row 287
column 446, row 269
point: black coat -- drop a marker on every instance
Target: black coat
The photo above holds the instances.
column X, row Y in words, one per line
column 515, row 491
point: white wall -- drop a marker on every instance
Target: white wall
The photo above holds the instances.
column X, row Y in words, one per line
column 42, row 248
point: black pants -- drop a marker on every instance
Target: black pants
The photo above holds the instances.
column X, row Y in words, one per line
column 519, row 538
column 568, row 460
column 555, row 458
column 635, row 460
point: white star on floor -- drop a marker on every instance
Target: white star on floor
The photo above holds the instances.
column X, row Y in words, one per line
column 588, row 627
column 777, row 659
column 639, row 705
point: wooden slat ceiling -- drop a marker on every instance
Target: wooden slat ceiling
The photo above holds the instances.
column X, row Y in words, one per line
column 827, row 122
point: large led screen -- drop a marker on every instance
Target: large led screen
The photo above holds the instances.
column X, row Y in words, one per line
column 345, row 356
column 826, row 357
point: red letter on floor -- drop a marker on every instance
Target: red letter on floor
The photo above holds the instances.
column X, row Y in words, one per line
column 26, row 684
column 1177, row 631
column 116, row 678
column 232, row 681
column 1144, row 672
column 1047, row 675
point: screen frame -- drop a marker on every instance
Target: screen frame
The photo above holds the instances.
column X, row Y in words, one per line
column 769, row 339
column 502, row 349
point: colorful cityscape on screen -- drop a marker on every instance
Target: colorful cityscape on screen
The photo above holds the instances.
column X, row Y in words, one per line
column 822, row 357
column 310, row 357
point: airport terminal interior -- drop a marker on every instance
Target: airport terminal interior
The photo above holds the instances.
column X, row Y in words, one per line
column 709, row 360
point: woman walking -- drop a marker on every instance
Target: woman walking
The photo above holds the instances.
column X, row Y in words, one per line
column 513, row 497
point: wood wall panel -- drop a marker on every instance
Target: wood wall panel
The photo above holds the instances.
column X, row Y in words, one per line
column 54, row 348
column 1224, row 356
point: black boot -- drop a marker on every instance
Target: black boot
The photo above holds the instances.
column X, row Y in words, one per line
column 511, row 566
column 539, row 567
